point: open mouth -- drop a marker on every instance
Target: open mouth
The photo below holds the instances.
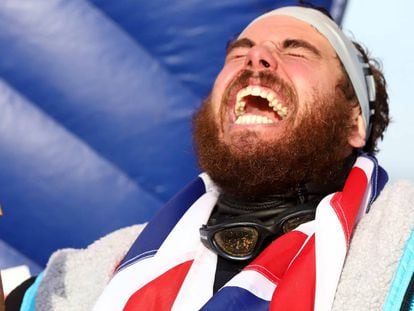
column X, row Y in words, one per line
column 258, row 105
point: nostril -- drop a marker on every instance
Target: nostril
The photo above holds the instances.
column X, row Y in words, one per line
column 257, row 63
column 264, row 63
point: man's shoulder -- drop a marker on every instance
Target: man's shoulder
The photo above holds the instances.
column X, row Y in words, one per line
column 397, row 198
column 77, row 276
column 376, row 248
column 390, row 218
column 400, row 186
column 106, row 246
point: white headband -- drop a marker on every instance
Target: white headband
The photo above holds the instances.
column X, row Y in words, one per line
column 358, row 70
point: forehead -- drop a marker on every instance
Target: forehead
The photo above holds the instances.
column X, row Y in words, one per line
column 278, row 28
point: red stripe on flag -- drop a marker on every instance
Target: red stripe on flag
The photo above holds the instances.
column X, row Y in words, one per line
column 346, row 203
column 275, row 259
column 159, row 294
column 296, row 291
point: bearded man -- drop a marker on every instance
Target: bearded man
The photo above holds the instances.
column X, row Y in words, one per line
column 286, row 139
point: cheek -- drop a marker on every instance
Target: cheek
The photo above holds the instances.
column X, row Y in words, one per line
column 303, row 79
column 308, row 79
column 224, row 78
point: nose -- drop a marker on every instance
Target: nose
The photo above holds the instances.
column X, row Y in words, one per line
column 260, row 57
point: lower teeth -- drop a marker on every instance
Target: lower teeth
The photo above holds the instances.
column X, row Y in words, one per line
column 253, row 120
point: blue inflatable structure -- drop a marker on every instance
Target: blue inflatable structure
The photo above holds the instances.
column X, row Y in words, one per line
column 96, row 99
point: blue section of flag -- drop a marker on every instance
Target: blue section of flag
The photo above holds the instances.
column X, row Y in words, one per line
column 379, row 179
column 234, row 298
column 158, row 229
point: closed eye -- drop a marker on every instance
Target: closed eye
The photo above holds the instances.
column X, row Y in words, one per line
column 236, row 54
column 295, row 55
column 238, row 48
column 292, row 46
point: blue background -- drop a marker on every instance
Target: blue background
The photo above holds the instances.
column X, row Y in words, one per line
column 96, row 99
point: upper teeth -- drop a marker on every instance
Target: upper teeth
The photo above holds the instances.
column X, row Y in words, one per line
column 268, row 94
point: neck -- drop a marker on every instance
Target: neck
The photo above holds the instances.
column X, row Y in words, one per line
column 300, row 194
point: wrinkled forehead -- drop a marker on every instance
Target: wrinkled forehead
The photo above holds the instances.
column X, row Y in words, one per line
column 279, row 27
column 276, row 23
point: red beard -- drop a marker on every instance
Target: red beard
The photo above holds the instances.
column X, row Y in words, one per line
column 312, row 151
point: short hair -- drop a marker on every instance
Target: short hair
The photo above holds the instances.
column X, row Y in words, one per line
column 380, row 118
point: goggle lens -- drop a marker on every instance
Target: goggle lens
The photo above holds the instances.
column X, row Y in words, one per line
column 237, row 241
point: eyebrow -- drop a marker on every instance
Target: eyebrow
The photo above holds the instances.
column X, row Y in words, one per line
column 297, row 43
column 239, row 43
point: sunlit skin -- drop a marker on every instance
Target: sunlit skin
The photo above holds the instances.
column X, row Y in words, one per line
column 294, row 51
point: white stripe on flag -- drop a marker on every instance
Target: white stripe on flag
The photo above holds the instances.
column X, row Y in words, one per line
column 330, row 251
column 197, row 288
column 185, row 236
column 307, row 228
column 181, row 245
column 254, row 282
column 331, row 244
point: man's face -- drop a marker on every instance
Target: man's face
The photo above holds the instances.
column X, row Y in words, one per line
column 277, row 116
column 300, row 64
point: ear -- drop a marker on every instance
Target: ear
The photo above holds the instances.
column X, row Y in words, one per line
column 356, row 138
